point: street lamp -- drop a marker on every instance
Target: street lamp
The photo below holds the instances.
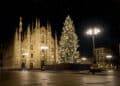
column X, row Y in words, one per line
column 92, row 32
column 83, row 58
column 109, row 57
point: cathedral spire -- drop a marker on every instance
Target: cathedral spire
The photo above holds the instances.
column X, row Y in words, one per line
column 28, row 33
column 55, row 47
column 55, row 36
column 20, row 24
column 48, row 26
column 28, row 29
column 56, row 40
column 36, row 23
column 16, row 35
column 32, row 27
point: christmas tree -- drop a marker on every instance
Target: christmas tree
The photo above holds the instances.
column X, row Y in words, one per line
column 68, row 44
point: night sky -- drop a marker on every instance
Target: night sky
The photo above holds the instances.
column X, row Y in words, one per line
column 104, row 14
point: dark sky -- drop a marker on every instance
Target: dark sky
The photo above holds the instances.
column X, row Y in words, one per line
column 104, row 14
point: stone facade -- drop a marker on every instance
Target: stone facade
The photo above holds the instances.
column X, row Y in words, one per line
column 33, row 48
column 101, row 53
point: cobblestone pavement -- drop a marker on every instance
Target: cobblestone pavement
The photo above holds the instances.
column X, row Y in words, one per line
column 51, row 78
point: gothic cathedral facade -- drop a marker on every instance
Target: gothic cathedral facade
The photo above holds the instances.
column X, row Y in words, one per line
column 35, row 47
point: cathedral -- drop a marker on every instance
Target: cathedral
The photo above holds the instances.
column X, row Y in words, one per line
column 34, row 48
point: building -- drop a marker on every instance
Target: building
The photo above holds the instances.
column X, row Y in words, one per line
column 1, row 56
column 119, row 49
column 32, row 48
column 100, row 54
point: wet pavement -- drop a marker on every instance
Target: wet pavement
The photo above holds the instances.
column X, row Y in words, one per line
column 66, row 78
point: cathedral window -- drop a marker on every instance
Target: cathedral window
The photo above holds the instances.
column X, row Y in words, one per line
column 31, row 55
column 42, row 39
column 31, row 65
column 23, row 56
column 42, row 51
column 31, row 47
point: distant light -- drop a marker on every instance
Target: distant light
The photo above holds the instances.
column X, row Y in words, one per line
column 44, row 47
column 110, row 71
column 83, row 58
column 93, row 31
column 25, row 54
column 109, row 56
column 89, row 32
column 24, row 71
column 96, row 31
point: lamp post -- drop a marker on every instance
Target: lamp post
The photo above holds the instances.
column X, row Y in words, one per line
column 83, row 58
column 92, row 32
column 109, row 57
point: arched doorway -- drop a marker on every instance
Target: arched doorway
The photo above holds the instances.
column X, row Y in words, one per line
column 23, row 66
column 42, row 64
column 31, row 65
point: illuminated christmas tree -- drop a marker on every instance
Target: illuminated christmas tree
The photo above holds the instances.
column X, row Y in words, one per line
column 68, row 43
